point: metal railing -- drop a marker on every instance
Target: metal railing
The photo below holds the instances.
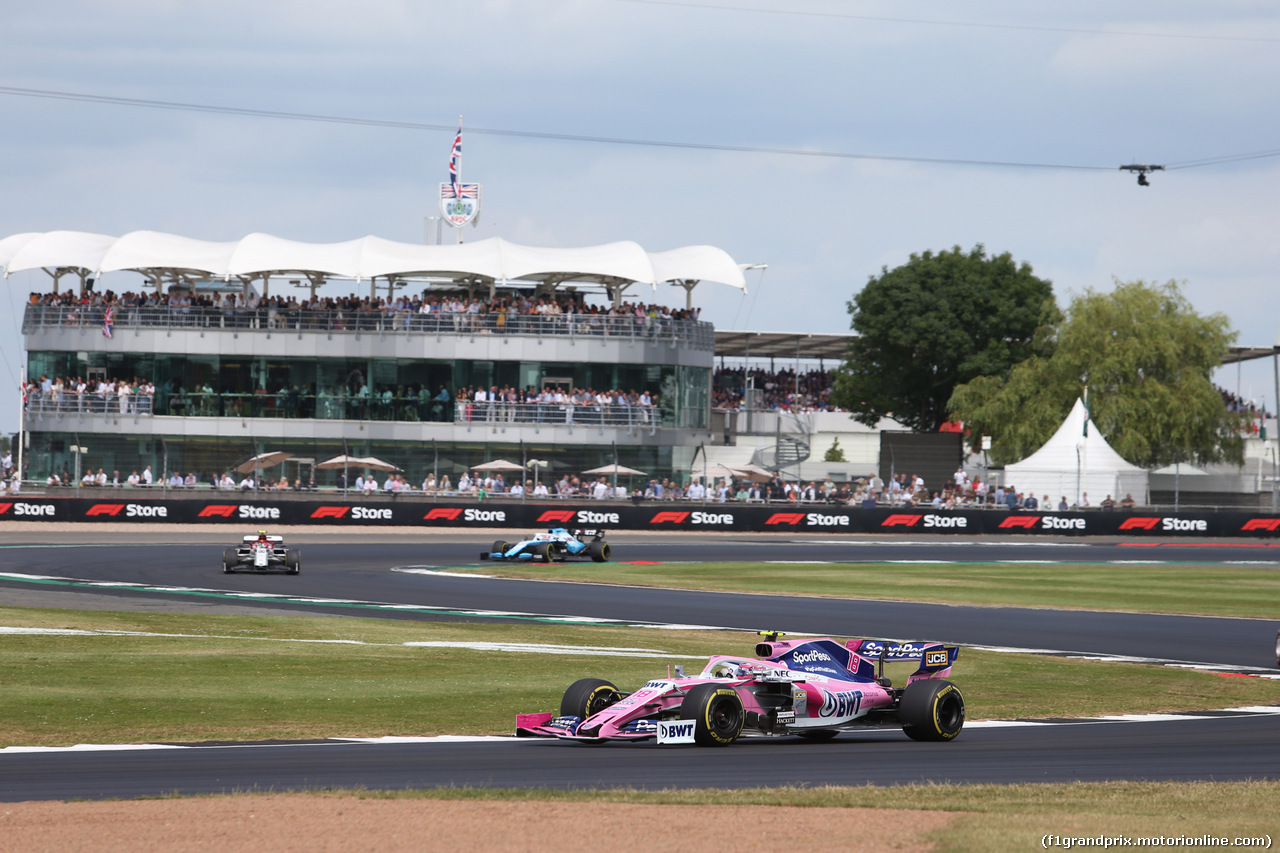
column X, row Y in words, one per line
column 688, row 333
column 88, row 403
column 572, row 414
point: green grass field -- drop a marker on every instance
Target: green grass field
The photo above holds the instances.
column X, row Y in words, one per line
column 204, row 677
column 1252, row 591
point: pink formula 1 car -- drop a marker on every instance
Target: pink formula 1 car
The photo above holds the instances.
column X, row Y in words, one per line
column 813, row 688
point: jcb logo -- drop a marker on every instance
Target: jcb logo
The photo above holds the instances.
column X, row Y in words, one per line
column 564, row 515
column 937, row 658
column 1270, row 524
column 785, row 518
column 331, row 512
column 1024, row 521
column 1139, row 523
column 105, row 509
column 443, row 512
column 673, row 517
column 901, row 519
column 217, row 511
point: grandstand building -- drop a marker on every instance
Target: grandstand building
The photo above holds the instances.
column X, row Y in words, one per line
column 212, row 365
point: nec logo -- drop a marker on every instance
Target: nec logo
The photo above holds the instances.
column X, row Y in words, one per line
column 785, row 518
column 565, row 515
column 444, row 513
column 1270, row 524
column 902, row 519
column 1023, row 521
column 217, row 511
column 105, row 509
column 1139, row 523
column 673, row 517
column 331, row 512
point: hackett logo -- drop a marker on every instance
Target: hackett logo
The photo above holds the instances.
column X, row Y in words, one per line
column 1024, row 521
column 1271, row 524
column 217, row 511
column 105, row 509
column 673, row 517
column 1139, row 523
column 901, row 519
column 331, row 512
column 443, row 512
column 785, row 518
column 565, row 515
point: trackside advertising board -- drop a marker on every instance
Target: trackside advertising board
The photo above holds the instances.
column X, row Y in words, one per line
column 114, row 507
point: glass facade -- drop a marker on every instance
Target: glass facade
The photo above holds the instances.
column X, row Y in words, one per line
column 232, row 385
column 207, row 457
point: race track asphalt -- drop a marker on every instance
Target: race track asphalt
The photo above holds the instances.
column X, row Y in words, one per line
column 184, row 575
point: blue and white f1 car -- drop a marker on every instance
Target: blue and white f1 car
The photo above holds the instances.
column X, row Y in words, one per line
column 554, row 546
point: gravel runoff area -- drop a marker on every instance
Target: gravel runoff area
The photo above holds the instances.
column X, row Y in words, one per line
column 314, row 823
column 286, row 823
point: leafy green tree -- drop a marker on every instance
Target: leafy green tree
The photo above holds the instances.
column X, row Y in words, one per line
column 835, row 453
column 1145, row 356
column 934, row 323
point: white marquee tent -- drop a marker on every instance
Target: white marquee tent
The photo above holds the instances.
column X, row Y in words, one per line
column 1071, row 463
column 166, row 256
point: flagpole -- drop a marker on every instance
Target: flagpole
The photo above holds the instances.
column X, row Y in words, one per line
column 457, row 175
column 22, row 418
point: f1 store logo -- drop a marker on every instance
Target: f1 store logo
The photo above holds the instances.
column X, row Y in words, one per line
column 1269, row 524
column 1139, row 523
column 785, row 518
column 105, row 509
column 901, row 519
column 444, row 513
column 673, row 517
column 1023, row 521
column 5, row 508
column 217, row 511
column 565, row 515
column 331, row 512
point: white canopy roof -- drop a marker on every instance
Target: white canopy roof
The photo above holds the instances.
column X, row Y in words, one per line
column 368, row 257
column 1071, row 457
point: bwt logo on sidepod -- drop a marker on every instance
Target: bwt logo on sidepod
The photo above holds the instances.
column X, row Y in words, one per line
column 443, row 513
column 846, row 703
column 673, row 517
column 562, row 515
column 23, row 508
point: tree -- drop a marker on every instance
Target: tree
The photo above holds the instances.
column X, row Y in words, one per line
column 934, row 323
column 835, row 453
column 1145, row 356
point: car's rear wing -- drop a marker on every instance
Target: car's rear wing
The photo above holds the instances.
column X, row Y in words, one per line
column 935, row 658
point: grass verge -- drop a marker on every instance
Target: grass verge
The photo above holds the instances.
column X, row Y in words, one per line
column 1252, row 591
column 180, row 677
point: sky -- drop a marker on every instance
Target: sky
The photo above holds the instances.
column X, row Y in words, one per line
column 828, row 139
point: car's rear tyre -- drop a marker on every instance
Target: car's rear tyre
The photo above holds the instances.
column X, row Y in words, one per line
column 555, row 552
column 230, row 559
column 588, row 696
column 931, row 710
column 599, row 551
column 717, row 714
column 500, row 547
column 1277, row 648
column 293, row 562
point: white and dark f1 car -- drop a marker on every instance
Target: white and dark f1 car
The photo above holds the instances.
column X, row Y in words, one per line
column 554, row 546
column 814, row 688
column 262, row 553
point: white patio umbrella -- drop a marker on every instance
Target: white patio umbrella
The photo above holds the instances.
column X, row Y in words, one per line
column 263, row 460
column 497, row 465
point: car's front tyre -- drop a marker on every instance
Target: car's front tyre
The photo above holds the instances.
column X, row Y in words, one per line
column 931, row 710
column 588, row 696
column 717, row 714
column 230, row 559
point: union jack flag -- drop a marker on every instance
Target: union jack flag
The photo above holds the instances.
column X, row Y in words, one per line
column 108, row 319
column 455, row 161
column 460, row 191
